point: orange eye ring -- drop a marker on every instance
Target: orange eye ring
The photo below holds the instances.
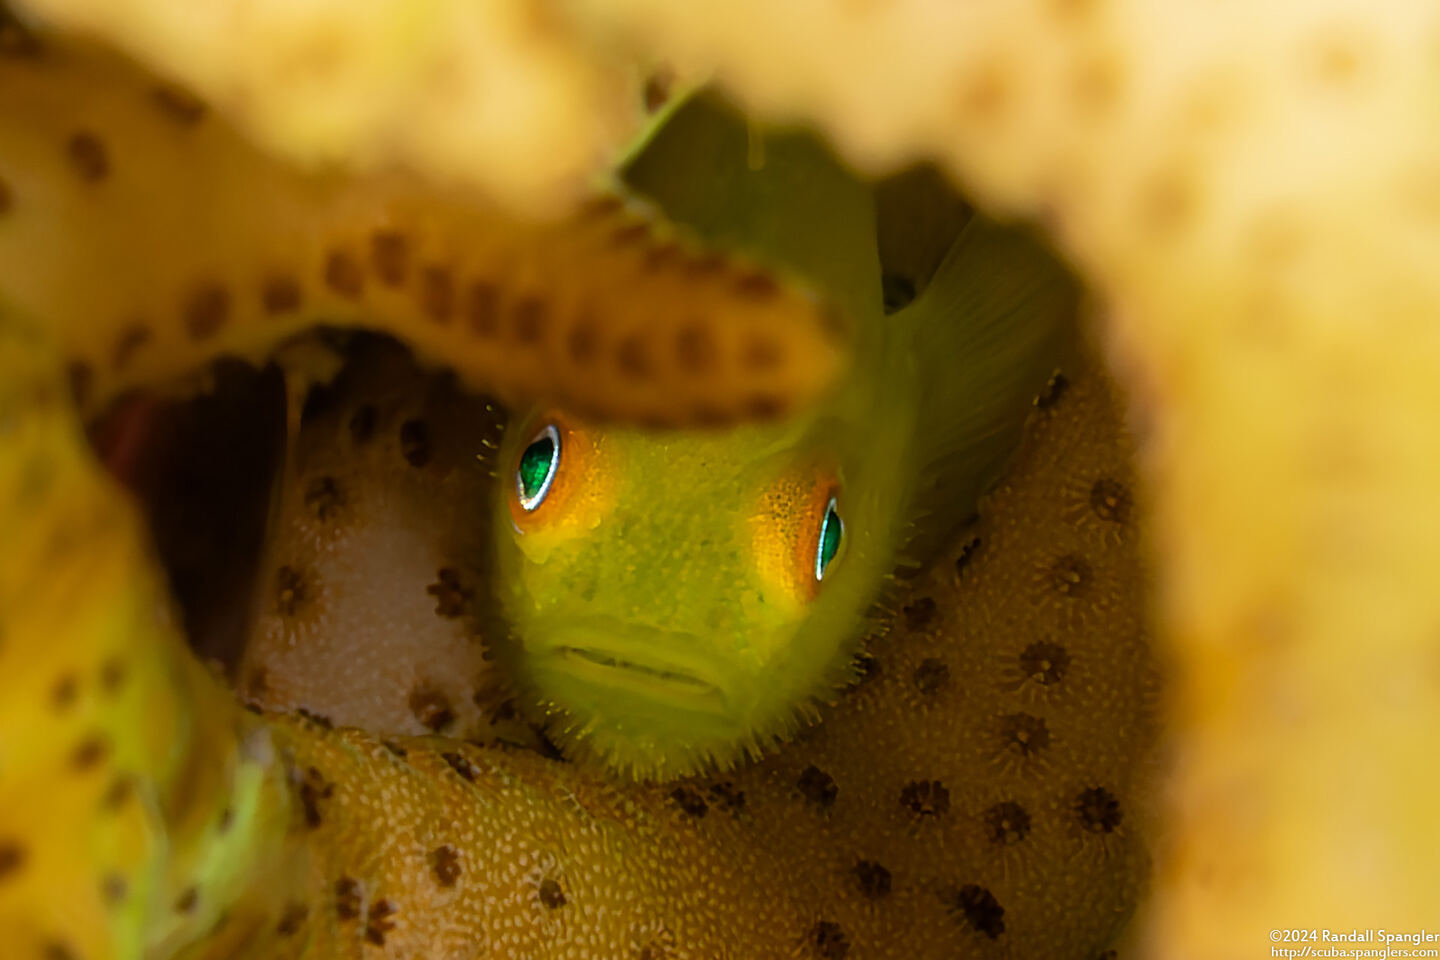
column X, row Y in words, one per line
column 789, row 532
column 555, row 479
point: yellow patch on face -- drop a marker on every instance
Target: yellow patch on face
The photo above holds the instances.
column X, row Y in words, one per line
column 786, row 531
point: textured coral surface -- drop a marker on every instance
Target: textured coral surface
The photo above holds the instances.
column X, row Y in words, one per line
column 191, row 243
column 981, row 793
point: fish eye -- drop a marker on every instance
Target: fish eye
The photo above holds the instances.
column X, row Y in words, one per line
column 536, row 472
column 832, row 534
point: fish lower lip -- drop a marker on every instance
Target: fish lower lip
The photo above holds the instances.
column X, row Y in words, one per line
column 604, row 658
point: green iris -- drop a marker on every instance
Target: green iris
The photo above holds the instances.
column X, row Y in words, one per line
column 832, row 532
column 537, row 468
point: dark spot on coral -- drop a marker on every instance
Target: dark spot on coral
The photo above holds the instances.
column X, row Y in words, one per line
column 763, row 406
column 583, row 340
column 1053, row 390
column 757, row 285
column 689, row 801
column 931, row 676
column 551, row 895
column 817, row 786
column 12, row 859
column 1024, row 734
column 131, row 339
column 919, row 614
column 437, row 294
column 82, row 379
column 314, row 788
column 390, row 253
column 347, row 898
column 206, row 311
column 291, row 591
column 323, row 497
column 985, row 91
column 292, row 919
column 431, row 708
column 89, row 753
column 362, row 424
column 461, row 765
column 377, row 922
column 727, row 796
column 762, row 353
column 695, row 347
column 662, row 256
column 55, row 950
column 982, row 911
column 657, row 89
column 186, row 902
column 445, row 864
column 896, row 291
column 1070, row 575
column 7, row 198
column 873, row 878
column 1110, row 500
column 343, row 274
column 706, row 265
column 632, row 359
column 88, row 156
column 1006, row 822
column 226, row 821
column 280, row 294
column 1098, row 810
column 482, row 308
column 829, row 941
column 65, row 691
column 415, row 442
column 452, row 599
column 116, row 795
column 925, row 798
column 395, row 748
column 112, row 675
column 530, row 318
column 1045, row 663
column 179, row 105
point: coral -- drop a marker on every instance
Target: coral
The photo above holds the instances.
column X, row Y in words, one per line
column 1004, row 810
column 377, row 556
column 196, row 245
column 429, row 845
column 436, row 86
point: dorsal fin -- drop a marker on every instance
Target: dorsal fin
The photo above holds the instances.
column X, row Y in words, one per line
column 994, row 322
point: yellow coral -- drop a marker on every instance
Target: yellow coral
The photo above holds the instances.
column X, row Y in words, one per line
column 192, row 244
column 498, row 95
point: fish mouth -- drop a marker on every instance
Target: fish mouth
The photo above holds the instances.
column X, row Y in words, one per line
column 616, row 661
column 660, row 666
